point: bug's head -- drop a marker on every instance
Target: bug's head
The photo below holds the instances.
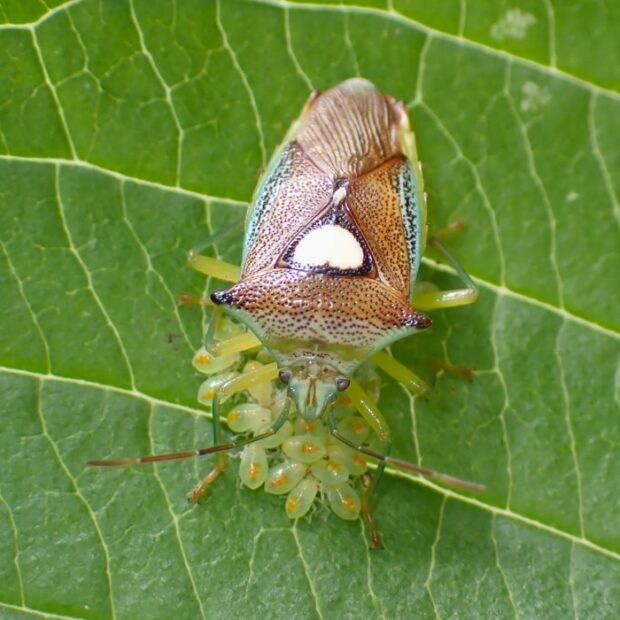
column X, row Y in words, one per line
column 314, row 385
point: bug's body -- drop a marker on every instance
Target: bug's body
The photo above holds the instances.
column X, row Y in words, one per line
column 332, row 249
column 334, row 240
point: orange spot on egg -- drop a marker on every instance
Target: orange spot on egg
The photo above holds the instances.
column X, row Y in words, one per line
column 254, row 471
column 348, row 504
column 358, row 427
column 233, row 416
column 334, row 467
column 309, row 426
column 208, row 394
column 203, row 359
column 291, row 504
column 309, row 448
column 279, row 480
column 359, row 460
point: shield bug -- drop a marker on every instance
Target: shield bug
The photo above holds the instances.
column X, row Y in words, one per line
column 333, row 244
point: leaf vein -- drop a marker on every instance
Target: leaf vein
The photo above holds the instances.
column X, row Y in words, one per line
column 22, row 294
column 349, row 44
column 306, row 568
column 531, row 163
column 505, row 405
column 78, row 494
column 501, row 569
column 65, row 6
column 166, row 88
column 376, row 601
column 82, row 163
column 569, row 427
column 73, row 249
column 394, row 15
column 37, row 612
column 53, row 93
column 134, row 393
column 571, row 583
column 508, row 513
column 498, row 289
column 151, row 268
column 479, row 188
column 431, row 568
column 175, row 520
column 598, row 154
column 244, row 79
column 448, row 493
column 462, row 18
column 504, row 291
column 291, row 52
column 18, row 571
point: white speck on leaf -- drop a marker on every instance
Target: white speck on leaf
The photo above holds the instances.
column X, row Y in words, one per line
column 513, row 25
column 572, row 196
column 533, row 97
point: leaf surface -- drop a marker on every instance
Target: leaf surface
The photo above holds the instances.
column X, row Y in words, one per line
column 132, row 130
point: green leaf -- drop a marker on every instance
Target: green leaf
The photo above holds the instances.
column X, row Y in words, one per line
column 132, row 130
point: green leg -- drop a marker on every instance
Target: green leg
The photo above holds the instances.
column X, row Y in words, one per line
column 228, row 346
column 401, row 373
column 221, row 270
column 210, row 335
column 210, row 266
column 218, row 355
column 214, row 267
column 238, row 384
column 235, row 344
column 431, row 300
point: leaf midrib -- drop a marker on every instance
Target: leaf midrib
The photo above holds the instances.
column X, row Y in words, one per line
column 499, row 289
column 446, row 493
column 384, row 14
column 440, row 34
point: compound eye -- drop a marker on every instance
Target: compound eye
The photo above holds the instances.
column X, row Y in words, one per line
column 285, row 376
column 342, row 383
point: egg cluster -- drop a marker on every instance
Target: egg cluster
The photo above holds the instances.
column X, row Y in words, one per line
column 302, row 460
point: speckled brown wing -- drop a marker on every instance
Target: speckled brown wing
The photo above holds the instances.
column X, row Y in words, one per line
column 290, row 196
column 374, row 200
